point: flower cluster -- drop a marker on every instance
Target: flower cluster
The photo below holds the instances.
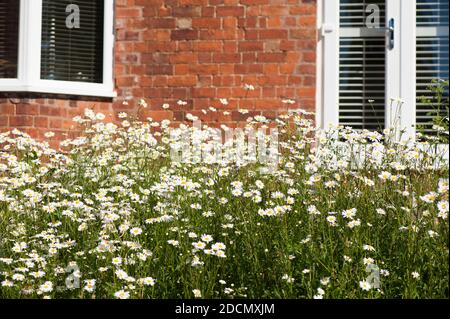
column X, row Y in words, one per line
column 110, row 215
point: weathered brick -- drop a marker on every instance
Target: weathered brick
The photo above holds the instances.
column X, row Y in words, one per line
column 271, row 57
column 235, row 11
column 184, row 35
column 273, row 34
column 226, row 58
column 186, row 11
column 198, row 51
column 251, row 46
column 183, row 57
column 27, row 109
column 20, row 121
column 207, row 23
column 182, row 81
column 184, row 23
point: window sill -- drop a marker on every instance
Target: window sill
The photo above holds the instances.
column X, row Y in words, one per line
column 358, row 152
column 61, row 87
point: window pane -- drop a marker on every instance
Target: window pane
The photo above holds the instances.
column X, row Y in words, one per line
column 9, row 34
column 362, row 82
column 432, row 60
column 432, row 13
column 362, row 64
column 354, row 13
column 72, row 51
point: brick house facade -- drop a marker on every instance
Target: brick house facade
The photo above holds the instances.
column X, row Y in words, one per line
column 192, row 50
column 343, row 59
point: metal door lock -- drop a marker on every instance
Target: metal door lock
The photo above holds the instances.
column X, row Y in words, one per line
column 390, row 33
column 390, row 30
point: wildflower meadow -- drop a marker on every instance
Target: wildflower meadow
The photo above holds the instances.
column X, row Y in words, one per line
column 334, row 213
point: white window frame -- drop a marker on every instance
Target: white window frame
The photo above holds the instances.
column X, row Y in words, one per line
column 400, row 64
column 29, row 57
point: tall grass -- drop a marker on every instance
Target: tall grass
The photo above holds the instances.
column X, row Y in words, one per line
column 137, row 225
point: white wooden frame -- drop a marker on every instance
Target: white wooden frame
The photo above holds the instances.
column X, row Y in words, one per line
column 327, row 105
column 400, row 63
column 29, row 57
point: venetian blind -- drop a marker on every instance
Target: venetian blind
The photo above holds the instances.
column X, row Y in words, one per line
column 432, row 56
column 9, row 34
column 361, row 65
column 69, row 53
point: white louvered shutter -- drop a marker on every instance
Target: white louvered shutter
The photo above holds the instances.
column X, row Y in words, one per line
column 9, row 35
column 361, row 66
column 72, row 54
column 432, row 60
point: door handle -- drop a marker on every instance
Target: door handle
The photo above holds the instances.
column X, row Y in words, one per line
column 390, row 30
column 390, row 33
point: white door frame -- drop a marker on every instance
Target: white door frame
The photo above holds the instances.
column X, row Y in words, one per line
column 327, row 105
column 401, row 66
column 400, row 63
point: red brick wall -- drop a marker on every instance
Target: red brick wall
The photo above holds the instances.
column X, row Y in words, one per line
column 197, row 51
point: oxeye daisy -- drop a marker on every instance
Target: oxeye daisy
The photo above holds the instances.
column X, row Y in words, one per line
column 368, row 247
column 199, row 245
column 385, row 175
column 443, row 206
column 7, row 283
column 365, row 285
column 46, row 286
column 368, row 261
column 116, row 261
column 288, row 278
column 192, row 235
column 18, row 277
column 89, row 285
column 206, row 238
column 148, row 281
column 220, row 253
column 249, row 87
column 325, row 281
column 218, row 246
column 174, row 243
column 122, row 294
column 332, row 220
column 136, row 231
column 197, row 293
column 429, row 198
